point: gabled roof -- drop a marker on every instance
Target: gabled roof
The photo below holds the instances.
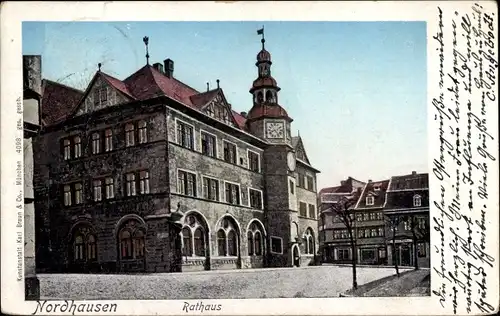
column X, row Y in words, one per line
column 298, row 145
column 202, row 99
column 117, row 84
column 376, row 189
column 58, row 101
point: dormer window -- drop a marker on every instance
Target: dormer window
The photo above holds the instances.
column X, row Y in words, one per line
column 369, row 200
column 376, row 188
column 417, row 200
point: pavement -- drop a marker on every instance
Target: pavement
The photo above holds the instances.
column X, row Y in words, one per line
column 410, row 283
column 314, row 281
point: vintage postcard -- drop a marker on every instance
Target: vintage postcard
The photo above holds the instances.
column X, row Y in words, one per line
column 249, row 158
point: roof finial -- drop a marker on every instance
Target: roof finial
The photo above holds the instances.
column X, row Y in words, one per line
column 99, row 66
column 146, row 42
column 298, row 133
column 261, row 32
column 208, row 86
column 218, row 83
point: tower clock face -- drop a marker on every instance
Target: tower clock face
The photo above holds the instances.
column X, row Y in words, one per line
column 275, row 129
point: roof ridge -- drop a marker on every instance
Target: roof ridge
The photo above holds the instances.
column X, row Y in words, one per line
column 63, row 85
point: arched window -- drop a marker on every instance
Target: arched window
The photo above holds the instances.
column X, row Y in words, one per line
column 91, row 248
column 260, row 97
column 309, row 239
column 138, row 250
column 250, row 243
column 255, row 241
column 125, row 244
column 417, row 200
column 78, row 247
column 269, row 96
column 186, row 238
column 231, row 243
column 258, row 243
column 221, row 242
column 143, row 132
column 199, row 242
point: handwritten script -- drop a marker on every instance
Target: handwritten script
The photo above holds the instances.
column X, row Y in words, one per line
column 465, row 161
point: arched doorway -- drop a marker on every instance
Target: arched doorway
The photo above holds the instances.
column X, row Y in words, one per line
column 295, row 255
column 256, row 245
column 195, row 242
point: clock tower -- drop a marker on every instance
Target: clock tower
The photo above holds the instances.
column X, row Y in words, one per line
column 268, row 120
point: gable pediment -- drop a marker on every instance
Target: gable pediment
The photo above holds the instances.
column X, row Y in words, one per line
column 103, row 91
column 218, row 108
column 300, row 151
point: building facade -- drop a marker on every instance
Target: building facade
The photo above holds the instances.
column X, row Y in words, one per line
column 149, row 174
column 390, row 221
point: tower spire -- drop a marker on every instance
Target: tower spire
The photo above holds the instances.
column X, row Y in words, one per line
column 146, row 42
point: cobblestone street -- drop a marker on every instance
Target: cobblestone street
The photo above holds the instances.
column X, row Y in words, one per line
column 320, row 281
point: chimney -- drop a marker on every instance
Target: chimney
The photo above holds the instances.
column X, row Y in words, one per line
column 244, row 114
column 169, row 67
column 158, row 66
column 342, row 183
column 370, row 181
column 32, row 73
column 413, row 173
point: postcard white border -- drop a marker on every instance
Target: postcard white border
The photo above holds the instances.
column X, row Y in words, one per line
column 12, row 14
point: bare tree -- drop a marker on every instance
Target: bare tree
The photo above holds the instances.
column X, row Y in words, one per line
column 419, row 233
column 393, row 222
column 344, row 210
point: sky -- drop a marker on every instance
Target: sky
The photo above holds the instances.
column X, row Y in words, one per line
column 356, row 90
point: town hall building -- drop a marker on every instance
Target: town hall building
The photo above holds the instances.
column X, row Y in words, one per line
column 150, row 174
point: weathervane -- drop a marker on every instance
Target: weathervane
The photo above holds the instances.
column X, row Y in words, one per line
column 146, row 42
column 261, row 32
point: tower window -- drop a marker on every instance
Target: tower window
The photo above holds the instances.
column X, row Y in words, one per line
column 269, row 96
column 260, row 97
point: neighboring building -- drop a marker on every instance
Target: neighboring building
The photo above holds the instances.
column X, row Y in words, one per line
column 334, row 238
column 32, row 76
column 402, row 201
column 407, row 201
column 149, row 174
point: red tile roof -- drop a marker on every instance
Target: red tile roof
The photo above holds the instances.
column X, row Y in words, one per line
column 118, row 84
column 200, row 99
column 264, row 82
column 275, row 111
column 58, row 101
column 240, row 120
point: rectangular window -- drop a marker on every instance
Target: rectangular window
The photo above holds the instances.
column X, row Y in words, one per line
column 373, row 232
column 108, row 140
column 110, row 188
column 381, row 253
column 130, row 183
column 229, row 152
column 367, row 233
column 380, row 216
column 144, row 182
column 208, row 144
column 312, row 211
column 373, row 216
column 210, row 189
column 292, row 187
column 103, row 93
column 96, row 143
column 77, row 140
column 365, row 216
column 129, row 135
column 369, row 200
column 78, row 193
column 255, row 198
column 343, row 254
column 67, row 149
column 421, row 223
column 361, row 233
column 232, row 193
column 276, row 245
column 186, row 183
column 310, row 183
column 67, row 195
column 185, row 135
column 97, row 190
column 97, row 97
column 301, row 181
column 421, row 250
column 303, row 209
column 381, row 231
column 142, row 132
column 253, row 161
column 359, row 217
